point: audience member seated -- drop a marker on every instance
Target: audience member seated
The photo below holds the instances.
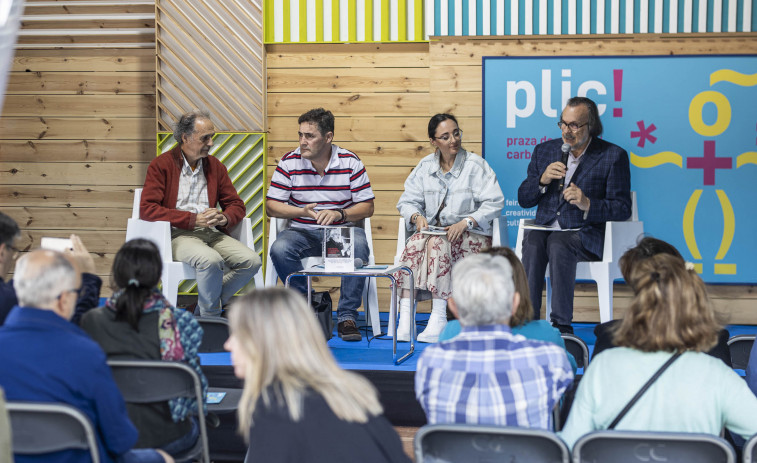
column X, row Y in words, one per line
column 487, row 374
column 521, row 321
column 297, row 404
column 89, row 296
column 645, row 249
column 45, row 358
column 137, row 322
column 450, row 188
column 669, row 315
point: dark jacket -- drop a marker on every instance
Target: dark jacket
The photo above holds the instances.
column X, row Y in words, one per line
column 603, row 175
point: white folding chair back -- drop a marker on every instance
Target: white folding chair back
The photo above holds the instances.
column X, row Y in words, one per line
column 160, row 233
column 370, row 290
column 619, row 237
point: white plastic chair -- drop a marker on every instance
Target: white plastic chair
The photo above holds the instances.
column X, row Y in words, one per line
column 403, row 235
column 619, row 237
column 160, row 234
column 370, row 291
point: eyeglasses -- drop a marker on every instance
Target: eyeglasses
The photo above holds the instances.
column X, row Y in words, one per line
column 572, row 126
column 74, row 290
column 458, row 134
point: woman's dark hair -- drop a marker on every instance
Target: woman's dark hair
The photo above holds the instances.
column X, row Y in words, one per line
column 436, row 120
column 136, row 270
column 647, row 247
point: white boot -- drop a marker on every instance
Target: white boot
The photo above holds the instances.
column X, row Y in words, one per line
column 403, row 328
column 436, row 322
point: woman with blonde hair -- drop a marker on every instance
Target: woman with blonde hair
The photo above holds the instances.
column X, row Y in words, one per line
column 297, row 404
column 670, row 322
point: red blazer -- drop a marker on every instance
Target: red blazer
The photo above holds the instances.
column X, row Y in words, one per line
column 162, row 189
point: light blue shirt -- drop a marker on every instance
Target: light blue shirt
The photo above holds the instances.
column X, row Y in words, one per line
column 469, row 189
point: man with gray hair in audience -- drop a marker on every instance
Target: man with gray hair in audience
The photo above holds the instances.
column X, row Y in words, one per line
column 487, row 375
column 45, row 358
column 192, row 190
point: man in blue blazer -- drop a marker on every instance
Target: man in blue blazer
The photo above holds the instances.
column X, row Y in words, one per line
column 597, row 189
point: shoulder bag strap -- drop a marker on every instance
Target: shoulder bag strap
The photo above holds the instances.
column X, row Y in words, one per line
column 643, row 390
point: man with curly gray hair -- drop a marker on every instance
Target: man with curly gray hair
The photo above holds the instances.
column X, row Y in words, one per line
column 192, row 190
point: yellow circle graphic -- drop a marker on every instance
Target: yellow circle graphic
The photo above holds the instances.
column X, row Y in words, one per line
column 724, row 113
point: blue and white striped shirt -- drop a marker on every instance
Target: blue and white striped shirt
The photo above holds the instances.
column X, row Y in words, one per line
column 296, row 182
column 487, row 375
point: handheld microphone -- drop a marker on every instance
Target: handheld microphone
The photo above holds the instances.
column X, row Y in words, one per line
column 359, row 263
column 565, row 148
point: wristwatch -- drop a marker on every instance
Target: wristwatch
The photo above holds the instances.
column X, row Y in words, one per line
column 469, row 221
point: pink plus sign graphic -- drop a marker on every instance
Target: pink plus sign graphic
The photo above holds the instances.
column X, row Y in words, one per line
column 709, row 162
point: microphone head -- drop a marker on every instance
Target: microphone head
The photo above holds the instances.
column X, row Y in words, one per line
column 565, row 148
column 359, row 262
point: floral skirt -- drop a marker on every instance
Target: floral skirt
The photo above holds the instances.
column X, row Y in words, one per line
column 431, row 258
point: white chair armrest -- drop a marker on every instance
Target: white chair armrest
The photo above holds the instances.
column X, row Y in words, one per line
column 619, row 238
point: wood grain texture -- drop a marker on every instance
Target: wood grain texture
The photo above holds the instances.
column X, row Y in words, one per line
column 63, row 128
column 330, row 80
column 127, row 105
column 50, row 82
column 73, row 173
column 84, row 60
column 354, row 104
column 87, row 195
column 77, row 150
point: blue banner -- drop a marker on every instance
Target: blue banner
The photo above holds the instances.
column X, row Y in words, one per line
column 689, row 124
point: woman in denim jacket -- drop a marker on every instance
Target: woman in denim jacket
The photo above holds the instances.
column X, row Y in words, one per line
column 458, row 192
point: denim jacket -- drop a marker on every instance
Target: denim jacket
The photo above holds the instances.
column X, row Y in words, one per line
column 473, row 192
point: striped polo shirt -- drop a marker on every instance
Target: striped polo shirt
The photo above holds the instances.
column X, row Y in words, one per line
column 296, row 182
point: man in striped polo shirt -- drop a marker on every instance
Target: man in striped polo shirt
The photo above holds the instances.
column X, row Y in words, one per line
column 316, row 185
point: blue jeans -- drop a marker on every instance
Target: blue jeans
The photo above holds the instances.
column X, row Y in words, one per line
column 562, row 250
column 294, row 244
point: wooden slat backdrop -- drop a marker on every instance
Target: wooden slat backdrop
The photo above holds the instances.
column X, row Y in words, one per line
column 210, row 56
column 78, row 124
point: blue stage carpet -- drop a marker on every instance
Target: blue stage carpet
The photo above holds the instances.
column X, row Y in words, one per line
column 376, row 354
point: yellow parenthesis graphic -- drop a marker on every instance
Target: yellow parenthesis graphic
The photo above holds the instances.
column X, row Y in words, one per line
column 729, row 224
column 734, row 77
column 688, row 224
column 654, row 160
column 750, row 157
column 723, row 108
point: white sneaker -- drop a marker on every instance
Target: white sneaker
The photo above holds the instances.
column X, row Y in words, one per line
column 436, row 324
column 403, row 329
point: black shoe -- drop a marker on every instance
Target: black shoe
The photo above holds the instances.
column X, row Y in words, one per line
column 348, row 331
column 564, row 329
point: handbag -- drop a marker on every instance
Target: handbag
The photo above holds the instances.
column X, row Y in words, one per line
column 643, row 390
column 321, row 303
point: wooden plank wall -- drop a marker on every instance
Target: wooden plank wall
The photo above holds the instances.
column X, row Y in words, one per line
column 78, row 124
column 383, row 94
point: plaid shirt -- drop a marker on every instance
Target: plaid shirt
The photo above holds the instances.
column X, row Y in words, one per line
column 193, row 189
column 487, row 375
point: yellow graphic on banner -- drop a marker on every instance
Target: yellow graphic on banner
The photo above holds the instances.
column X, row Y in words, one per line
column 750, row 157
column 654, row 160
column 733, row 77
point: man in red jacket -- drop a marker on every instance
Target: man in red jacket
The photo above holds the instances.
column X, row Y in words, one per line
column 184, row 186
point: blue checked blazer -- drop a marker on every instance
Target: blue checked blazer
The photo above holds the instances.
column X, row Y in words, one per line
column 604, row 177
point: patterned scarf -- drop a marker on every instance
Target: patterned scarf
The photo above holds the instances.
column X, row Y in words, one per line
column 180, row 336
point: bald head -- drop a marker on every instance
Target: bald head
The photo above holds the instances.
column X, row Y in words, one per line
column 46, row 279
